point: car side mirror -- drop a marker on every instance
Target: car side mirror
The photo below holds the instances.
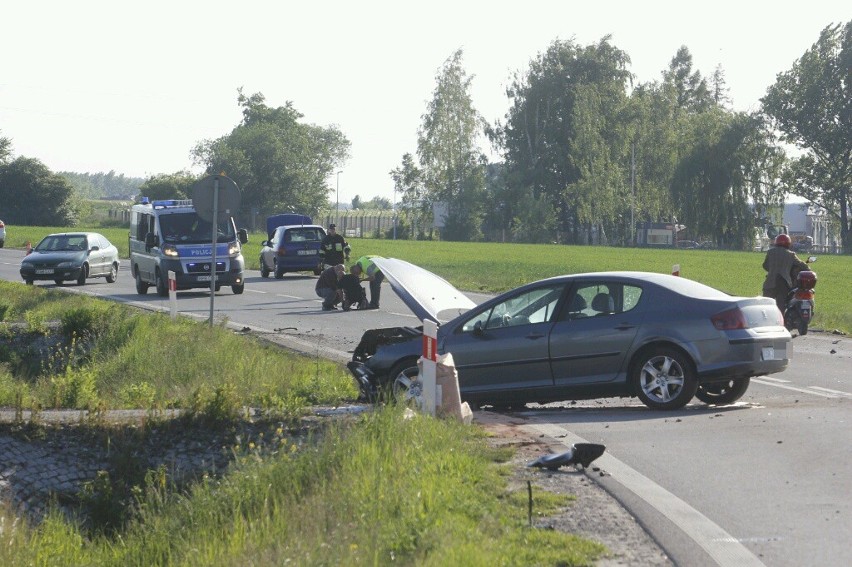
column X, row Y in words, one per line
column 94, row 248
column 242, row 234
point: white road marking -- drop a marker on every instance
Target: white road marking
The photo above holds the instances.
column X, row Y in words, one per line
column 770, row 379
column 838, row 392
column 794, row 389
column 725, row 549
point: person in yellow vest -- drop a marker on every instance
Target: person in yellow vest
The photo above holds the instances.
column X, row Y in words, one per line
column 366, row 269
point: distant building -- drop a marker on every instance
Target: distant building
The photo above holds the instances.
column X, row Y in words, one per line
column 806, row 220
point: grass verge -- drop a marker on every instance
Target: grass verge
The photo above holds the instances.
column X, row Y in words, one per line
column 386, row 489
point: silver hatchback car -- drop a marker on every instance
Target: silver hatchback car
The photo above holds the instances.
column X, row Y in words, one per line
column 662, row 338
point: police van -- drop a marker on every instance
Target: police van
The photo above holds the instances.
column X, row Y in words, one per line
column 169, row 235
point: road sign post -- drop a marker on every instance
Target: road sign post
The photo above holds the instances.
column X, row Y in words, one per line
column 215, row 198
column 429, row 365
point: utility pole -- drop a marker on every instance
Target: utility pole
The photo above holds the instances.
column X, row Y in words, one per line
column 337, row 209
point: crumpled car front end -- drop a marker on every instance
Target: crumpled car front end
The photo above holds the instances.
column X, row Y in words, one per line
column 377, row 352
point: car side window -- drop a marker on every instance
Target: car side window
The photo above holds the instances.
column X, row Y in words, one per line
column 532, row 306
column 598, row 299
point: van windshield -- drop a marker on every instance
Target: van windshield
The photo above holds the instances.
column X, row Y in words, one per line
column 189, row 228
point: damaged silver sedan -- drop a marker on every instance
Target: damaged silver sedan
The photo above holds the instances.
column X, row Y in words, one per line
column 661, row 338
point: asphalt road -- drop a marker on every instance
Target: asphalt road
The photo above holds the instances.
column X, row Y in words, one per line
column 767, row 481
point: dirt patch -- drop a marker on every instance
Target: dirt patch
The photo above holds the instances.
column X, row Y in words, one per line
column 594, row 514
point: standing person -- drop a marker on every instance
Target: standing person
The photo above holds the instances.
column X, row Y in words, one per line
column 781, row 265
column 333, row 247
column 327, row 286
column 364, row 268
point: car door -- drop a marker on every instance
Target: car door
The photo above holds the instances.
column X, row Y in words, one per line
column 96, row 257
column 590, row 341
column 505, row 345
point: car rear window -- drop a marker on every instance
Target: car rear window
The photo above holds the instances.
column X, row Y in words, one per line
column 303, row 234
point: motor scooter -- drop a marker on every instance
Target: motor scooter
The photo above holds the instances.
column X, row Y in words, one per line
column 799, row 307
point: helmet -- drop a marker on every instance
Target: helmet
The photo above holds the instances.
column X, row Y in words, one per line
column 782, row 240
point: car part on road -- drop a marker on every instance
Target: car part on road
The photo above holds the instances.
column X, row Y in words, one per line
column 579, row 454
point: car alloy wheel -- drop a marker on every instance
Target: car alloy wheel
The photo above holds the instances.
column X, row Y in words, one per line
column 664, row 379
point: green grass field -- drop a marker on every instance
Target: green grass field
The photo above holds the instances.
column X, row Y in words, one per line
column 494, row 267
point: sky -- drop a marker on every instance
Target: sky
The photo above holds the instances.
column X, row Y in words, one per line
column 131, row 87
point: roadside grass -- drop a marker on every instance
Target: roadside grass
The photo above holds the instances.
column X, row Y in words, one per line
column 112, row 356
column 383, row 490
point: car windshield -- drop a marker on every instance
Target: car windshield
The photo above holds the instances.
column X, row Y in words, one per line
column 62, row 243
column 189, row 228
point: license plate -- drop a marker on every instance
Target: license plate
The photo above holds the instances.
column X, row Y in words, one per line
column 768, row 353
column 306, row 252
column 203, row 278
column 44, row 271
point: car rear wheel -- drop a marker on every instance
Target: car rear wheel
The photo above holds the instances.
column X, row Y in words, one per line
column 664, row 378
column 113, row 274
column 279, row 273
column 84, row 270
column 722, row 393
column 402, row 385
column 141, row 287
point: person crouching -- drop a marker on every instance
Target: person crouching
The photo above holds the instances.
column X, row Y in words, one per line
column 328, row 286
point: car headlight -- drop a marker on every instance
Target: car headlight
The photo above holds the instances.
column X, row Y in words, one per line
column 170, row 250
column 65, row 264
column 234, row 249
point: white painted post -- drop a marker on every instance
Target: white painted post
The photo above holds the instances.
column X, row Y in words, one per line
column 173, row 294
column 430, row 356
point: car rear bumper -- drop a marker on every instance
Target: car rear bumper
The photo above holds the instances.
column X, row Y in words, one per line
column 749, row 356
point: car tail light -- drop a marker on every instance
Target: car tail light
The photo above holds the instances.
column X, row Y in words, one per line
column 729, row 320
column 282, row 251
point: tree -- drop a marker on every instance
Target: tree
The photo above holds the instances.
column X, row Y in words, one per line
column 811, row 105
column 169, row 186
column 690, row 87
column 25, row 182
column 5, row 149
column 569, row 96
column 278, row 162
column 413, row 202
column 453, row 166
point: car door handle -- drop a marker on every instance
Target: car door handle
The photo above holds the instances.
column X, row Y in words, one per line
column 535, row 336
column 625, row 327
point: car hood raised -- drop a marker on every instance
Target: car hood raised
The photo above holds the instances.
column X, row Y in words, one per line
column 425, row 293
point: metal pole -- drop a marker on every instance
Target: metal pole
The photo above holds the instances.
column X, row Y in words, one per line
column 214, row 239
column 337, row 210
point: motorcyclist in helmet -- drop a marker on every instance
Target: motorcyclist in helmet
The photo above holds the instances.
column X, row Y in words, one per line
column 782, row 266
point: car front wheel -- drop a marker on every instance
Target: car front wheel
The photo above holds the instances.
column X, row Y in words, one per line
column 162, row 285
column 722, row 393
column 402, row 384
column 141, row 287
column 664, row 379
column 113, row 274
column 81, row 279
